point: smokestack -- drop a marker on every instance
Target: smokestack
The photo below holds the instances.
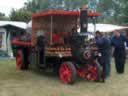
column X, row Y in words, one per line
column 83, row 20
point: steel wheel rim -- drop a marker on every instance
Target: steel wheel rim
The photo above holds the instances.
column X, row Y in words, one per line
column 65, row 73
column 18, row 60
column 92, row 73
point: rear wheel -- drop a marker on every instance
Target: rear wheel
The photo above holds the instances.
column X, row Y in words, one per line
column 67, row 72
column 20, row 61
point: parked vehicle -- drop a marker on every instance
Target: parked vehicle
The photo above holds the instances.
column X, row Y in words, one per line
column 55, row 43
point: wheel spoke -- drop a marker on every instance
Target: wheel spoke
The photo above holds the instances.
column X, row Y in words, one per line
column 92, row 73
column 66, row 73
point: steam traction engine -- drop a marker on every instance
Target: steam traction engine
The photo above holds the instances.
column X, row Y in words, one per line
column 56, row 44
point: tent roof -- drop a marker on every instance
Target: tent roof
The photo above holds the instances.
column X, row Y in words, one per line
column 64, row 13
column 21, row 25
column 105, row 27
column 100, row 27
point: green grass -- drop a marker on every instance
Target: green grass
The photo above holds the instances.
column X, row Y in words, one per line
column 28, row 83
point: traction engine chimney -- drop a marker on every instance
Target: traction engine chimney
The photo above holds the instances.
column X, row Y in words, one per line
column 83, row 20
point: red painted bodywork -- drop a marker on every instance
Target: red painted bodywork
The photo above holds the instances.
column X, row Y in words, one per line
column 64, row 13
column 16, row 41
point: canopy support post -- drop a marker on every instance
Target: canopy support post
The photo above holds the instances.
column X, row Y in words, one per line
column 51, row 30
column 94, row 23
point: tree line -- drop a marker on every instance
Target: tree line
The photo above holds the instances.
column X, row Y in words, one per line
column 113, row 11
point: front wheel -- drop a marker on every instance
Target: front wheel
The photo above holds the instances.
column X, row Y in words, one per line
column 67, row 72
column 94, row 72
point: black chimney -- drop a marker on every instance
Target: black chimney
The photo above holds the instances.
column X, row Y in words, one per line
column 83, row 20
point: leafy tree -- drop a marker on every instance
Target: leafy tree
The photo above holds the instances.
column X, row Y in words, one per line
column 113, row 11
column 45, row 5
column 3, row 17
column 93, row 4
column 74, row 4
column 2, row 14
column 20, row 15
column 123, row 17
column 36, row 6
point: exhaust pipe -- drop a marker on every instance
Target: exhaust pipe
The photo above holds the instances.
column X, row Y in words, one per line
column 83, row 20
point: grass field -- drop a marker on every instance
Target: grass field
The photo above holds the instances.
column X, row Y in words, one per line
column 28, row 83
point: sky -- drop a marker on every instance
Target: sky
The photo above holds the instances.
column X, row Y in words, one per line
column 7, row 5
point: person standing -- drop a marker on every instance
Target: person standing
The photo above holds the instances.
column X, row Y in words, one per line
column 107, row 36
column 104, row 45
column 118, row 42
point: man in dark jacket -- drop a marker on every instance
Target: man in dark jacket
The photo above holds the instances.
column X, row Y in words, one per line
column 104, row 44
column 118, row 41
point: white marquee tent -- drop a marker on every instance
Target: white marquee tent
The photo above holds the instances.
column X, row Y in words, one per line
column 13, row 23
column 99, row 27
column 5, row 35
column 105, row 27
